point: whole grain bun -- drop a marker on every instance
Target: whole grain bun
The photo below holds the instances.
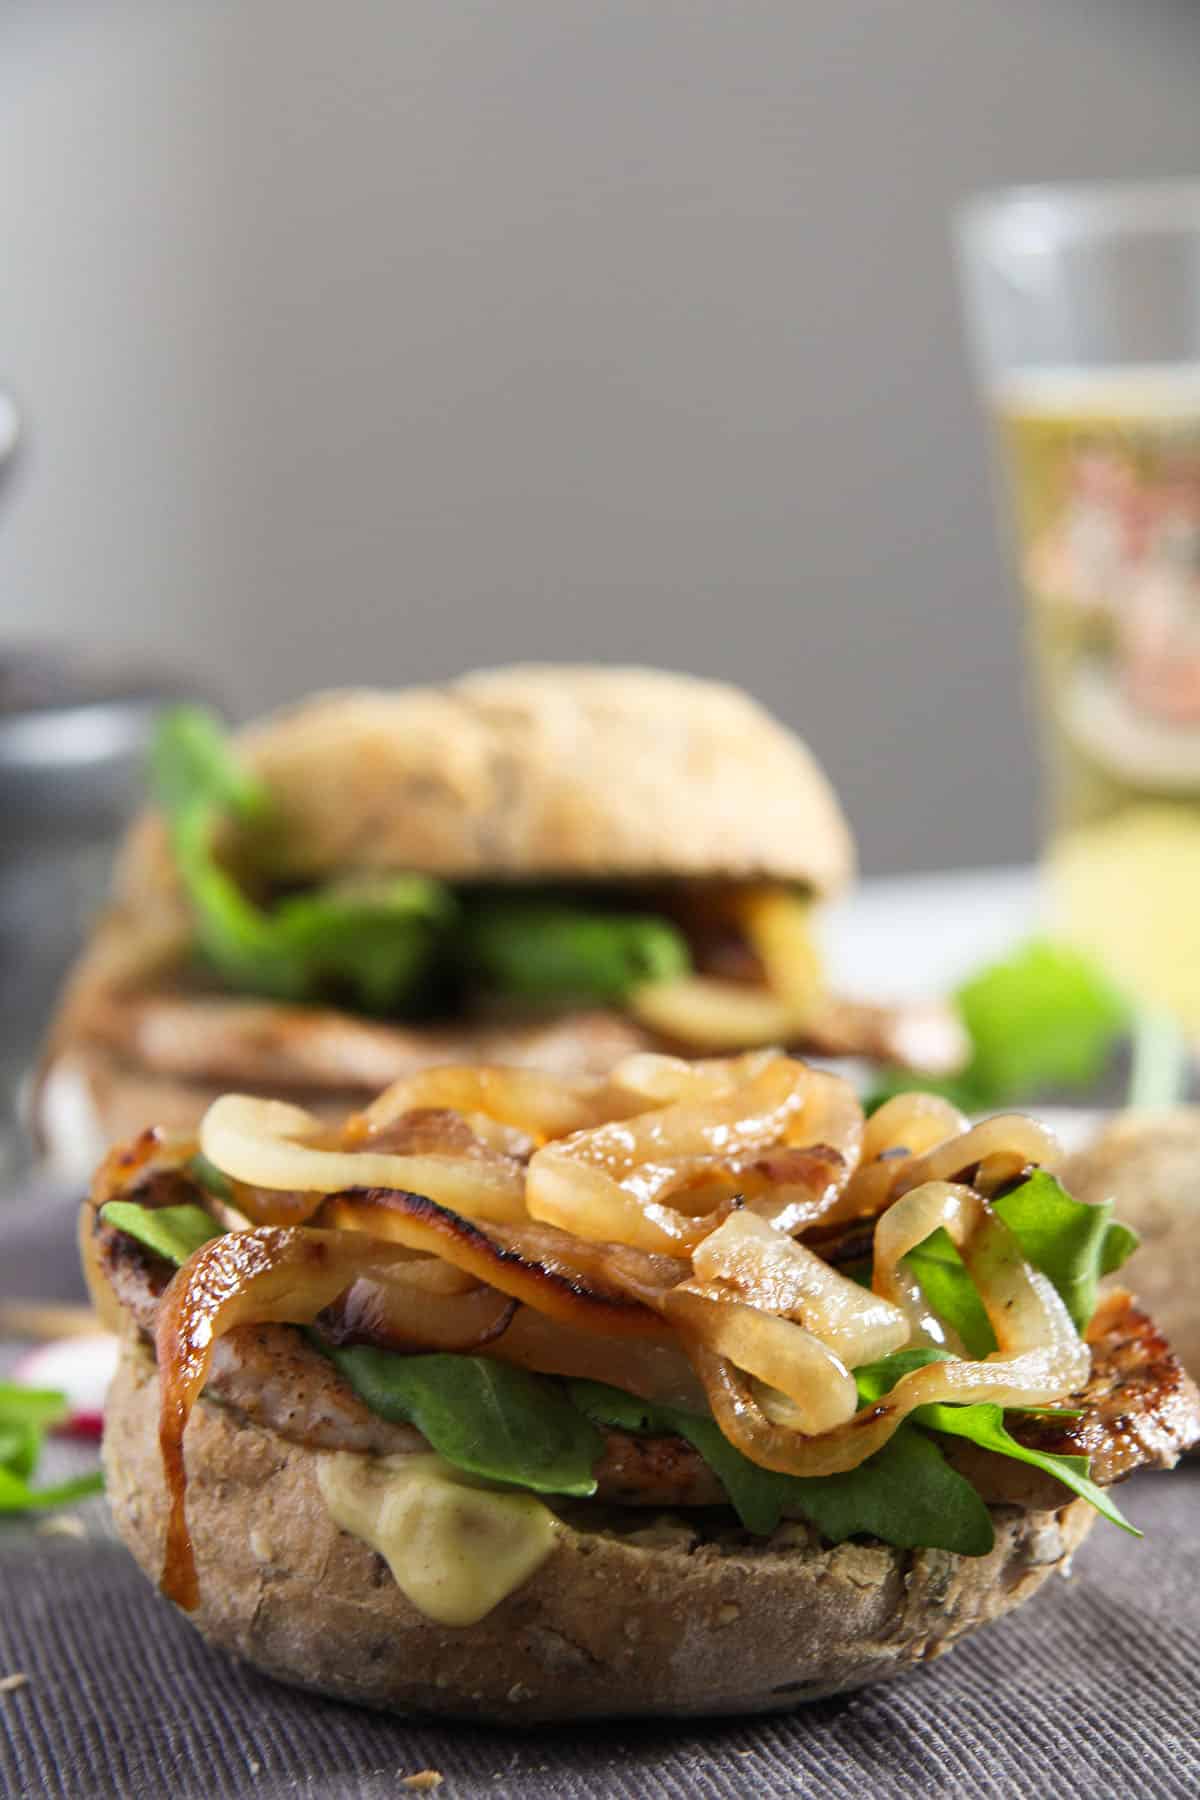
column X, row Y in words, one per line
column 1148, row 1164
column 639, row 1615
column 536, row 772
column 531, row 772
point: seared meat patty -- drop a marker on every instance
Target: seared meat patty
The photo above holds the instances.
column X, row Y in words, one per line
column 1139, row 1409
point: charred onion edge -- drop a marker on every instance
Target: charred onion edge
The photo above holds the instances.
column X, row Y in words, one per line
column 472, row 1247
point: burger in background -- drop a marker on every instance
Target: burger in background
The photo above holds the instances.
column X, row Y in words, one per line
column 542, row 867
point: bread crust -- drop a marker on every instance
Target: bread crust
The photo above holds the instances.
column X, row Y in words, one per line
column 649, row 1618
column 1146, row 1163
column 537, row 772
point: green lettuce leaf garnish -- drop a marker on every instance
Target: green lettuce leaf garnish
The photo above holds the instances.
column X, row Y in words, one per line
column 546, row 950
column 952, row 1295
column 1073, row 1242
column 372, row 941
column 207, row 1175
column 906, row 1494
column 1044, row 1017
column 533, row 1431
column 982, row 1423
column 494, row 1421
column 26, row 1414
column 174, row 1232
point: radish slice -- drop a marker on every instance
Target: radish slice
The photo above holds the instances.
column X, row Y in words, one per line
column 79, row 1367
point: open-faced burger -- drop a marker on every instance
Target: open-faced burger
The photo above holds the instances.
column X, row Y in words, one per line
column 683, row 1390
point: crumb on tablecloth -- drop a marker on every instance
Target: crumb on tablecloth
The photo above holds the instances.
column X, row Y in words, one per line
column 61, row 1525
column 424, row 1781
column 10, row 1683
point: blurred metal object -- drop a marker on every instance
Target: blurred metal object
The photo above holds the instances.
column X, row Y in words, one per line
column 73, row 740
column 10, row 429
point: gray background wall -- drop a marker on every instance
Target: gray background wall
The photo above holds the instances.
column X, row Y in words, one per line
column 368, row 341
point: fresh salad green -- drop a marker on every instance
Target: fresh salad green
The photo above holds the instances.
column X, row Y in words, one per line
column 538, row 1432
column 173, row 1232
column 491, row 1420
column 540, row 949
column 389, row 944
column 906, row 1494
column 1073, row 1242
column 26, row 1414
column 370, row 941
column 983, row 1424
column 1041, row 1019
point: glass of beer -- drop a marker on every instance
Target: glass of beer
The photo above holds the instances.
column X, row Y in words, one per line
column 1083, row 309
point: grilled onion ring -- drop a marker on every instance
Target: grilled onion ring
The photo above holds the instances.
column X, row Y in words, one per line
column 615, row 1184
column 259, row 1142
column 501, row 1256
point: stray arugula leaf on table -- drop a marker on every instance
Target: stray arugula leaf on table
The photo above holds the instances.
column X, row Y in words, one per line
column 26, row 1414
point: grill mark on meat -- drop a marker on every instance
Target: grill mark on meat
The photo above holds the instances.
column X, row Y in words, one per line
column 1140, row 1409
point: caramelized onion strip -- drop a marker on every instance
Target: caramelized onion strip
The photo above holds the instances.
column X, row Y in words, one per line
column 1040, row 1357
column 545, row 1106
column 285, row 1274
column 614, row 1184
column 527, row 1271
column 650, row 1079
column 395, row 1313
column 258, row 1142
column 762, row 1266
column 713, row 1015
column 659, row 1372
column 775, row 1351
column 1012, row 1134
column 913, row 1122
column 902, row 1129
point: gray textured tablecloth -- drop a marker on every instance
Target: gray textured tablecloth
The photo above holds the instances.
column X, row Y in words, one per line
column 1091, row 1690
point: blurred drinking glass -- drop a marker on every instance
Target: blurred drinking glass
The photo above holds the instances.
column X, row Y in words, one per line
column 1083, row 309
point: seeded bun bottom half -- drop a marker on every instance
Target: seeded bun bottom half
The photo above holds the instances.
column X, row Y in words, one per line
column 631, row 1614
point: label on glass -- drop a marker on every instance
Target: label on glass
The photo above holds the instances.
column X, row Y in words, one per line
column 1104, row 468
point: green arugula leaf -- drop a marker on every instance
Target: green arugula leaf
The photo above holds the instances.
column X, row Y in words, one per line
column 373, row 940
column 1071, row 1241
column 902, row 1495
column 951, row 1293
column 191, row 762
column 547, row 950
column 17, row 1496
column 174, row 1232
column 207, row 1175
column 983, row 1423
column 25, row 1414
column 492, row 1420
column 31, row 1406
column 1043, row 1017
